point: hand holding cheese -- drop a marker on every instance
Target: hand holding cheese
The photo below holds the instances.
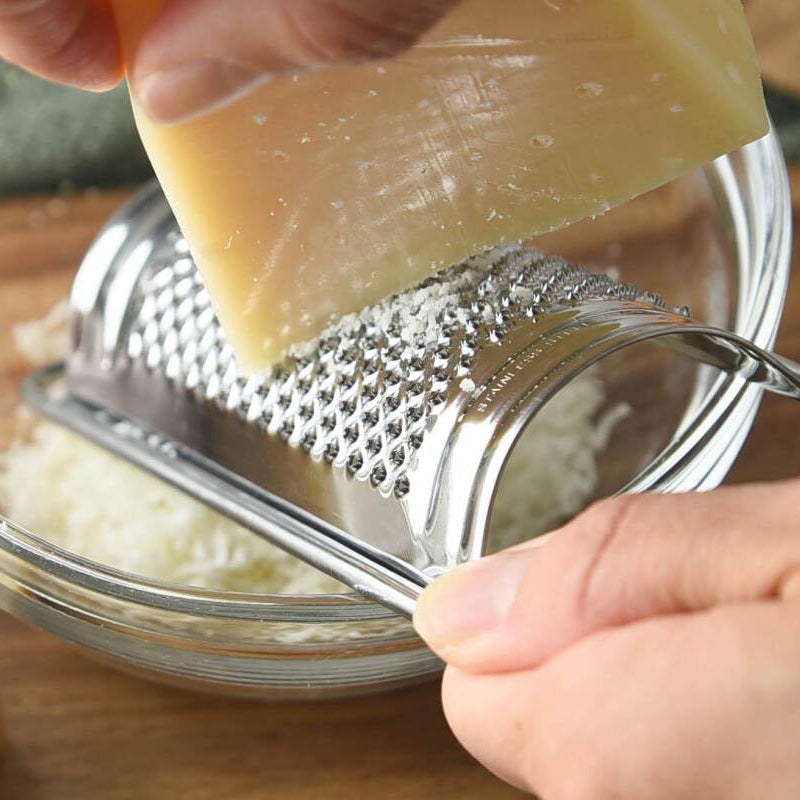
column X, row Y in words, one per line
column 322, row 191
column 199, row 53
column 205, row 44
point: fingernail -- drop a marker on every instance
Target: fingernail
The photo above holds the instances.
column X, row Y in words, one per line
column 471, row 600
column 180, row 93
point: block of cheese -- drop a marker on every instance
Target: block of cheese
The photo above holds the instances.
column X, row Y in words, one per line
column 322, row 192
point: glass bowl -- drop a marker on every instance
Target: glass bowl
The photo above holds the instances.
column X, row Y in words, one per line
column 717, row 241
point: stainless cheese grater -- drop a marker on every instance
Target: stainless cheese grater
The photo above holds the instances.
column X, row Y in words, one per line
column 373, row 453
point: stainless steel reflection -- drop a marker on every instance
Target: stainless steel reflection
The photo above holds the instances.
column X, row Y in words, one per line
column 376, row 454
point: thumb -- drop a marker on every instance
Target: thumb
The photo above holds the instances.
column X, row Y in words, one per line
column 200, row 53
column 622, row 560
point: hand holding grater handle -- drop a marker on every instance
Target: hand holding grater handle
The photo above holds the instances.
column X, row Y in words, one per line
column 375, row 453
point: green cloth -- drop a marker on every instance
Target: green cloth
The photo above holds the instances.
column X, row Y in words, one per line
column 51, row 136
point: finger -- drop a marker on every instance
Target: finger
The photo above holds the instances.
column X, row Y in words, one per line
column 673, row 707
column 622, row 560
column 199, row 53
column 67, row 41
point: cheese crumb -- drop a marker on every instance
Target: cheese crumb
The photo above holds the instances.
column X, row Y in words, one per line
column 46, row 339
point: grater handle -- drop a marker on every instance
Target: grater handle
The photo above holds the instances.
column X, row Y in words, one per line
column 734, row 354
column 610, row 327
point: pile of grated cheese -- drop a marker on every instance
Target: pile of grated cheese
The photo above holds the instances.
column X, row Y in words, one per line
column 84, row 499
column 93, row 503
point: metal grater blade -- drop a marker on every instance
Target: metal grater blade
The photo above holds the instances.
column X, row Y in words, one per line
column 374, row 452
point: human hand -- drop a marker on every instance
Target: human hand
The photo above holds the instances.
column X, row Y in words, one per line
column 199, row 53
column 67, row 41
column 649, row 649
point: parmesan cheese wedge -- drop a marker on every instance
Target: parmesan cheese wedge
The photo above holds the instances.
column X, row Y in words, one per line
column 323, row 192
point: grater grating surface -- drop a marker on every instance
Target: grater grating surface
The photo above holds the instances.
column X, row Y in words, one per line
column 374, row 451
column 363, row 395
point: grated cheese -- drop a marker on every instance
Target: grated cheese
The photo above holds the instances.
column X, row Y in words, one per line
column 87, row 500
